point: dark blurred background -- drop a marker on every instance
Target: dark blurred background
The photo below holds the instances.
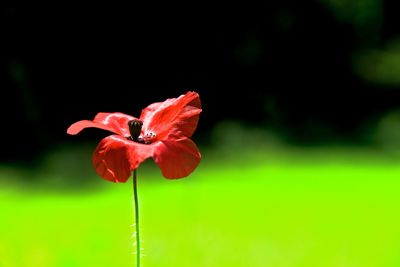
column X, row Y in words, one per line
column 312, row 72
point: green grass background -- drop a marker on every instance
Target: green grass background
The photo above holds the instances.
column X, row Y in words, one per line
column 242, row 207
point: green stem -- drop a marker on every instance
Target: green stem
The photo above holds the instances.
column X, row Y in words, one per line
column 135, row 196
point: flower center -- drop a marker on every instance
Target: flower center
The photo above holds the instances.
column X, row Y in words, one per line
column 147, row 138
column 135, row 127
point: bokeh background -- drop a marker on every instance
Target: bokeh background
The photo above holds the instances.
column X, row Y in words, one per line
column 299, row 134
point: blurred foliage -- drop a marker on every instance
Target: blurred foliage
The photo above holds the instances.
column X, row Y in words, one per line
column 388, row 132
column 363, row 14
column 243, row 206
column 380, row 66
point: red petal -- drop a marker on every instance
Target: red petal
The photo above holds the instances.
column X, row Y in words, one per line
column 176, row 158
column 114, row 122
column 115, row 157
column 175, row 115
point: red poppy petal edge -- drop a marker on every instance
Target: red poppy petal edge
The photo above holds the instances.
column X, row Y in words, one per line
column 114, row 122
column 78, row 126
column 176, row 158
column 177, row 115
column 115, row 157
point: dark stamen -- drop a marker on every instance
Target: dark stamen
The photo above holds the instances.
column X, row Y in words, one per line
column 135, row 127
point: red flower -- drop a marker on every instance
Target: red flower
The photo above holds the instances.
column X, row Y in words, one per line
column 163, row 133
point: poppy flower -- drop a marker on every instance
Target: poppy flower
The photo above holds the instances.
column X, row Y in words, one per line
column 162, row 132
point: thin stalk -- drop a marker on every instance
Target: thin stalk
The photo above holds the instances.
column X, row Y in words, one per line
column 137, row 236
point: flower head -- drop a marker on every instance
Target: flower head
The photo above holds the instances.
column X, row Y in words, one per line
column 162, row 132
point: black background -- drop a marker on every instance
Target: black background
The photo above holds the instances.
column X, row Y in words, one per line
column 285, row 67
